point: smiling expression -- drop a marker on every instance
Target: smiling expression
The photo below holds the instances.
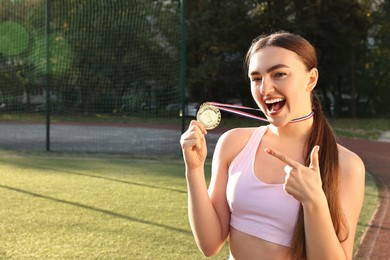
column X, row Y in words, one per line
column 281, row 84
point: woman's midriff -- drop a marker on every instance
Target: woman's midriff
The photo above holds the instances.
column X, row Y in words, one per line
column 243, row 246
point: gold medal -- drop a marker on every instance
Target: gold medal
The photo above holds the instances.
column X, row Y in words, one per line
column 209, row 116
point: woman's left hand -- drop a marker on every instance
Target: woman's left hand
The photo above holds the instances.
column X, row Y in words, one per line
column 301, row 182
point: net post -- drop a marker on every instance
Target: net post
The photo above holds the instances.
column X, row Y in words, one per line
column 183, row 63
column 47, row 78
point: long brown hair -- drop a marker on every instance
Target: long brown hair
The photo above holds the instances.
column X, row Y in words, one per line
column 321, row 134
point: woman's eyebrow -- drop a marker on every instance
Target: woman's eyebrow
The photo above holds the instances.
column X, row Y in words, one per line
column 277, row 66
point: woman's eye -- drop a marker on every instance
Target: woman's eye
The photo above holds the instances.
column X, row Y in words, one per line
column 280, row 74
column 256, row 79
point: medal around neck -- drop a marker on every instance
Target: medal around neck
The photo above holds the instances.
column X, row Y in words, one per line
column 209, row 116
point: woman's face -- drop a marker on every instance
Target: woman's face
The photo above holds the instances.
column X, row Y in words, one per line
column 281, row 84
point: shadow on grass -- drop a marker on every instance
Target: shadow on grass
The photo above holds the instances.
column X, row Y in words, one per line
column 103, row 211
column 116, row 180
column 100, row 177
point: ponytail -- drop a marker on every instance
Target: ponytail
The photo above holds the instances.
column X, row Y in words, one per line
column 322, row 134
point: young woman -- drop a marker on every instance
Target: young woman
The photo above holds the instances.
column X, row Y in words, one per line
column 282, row 191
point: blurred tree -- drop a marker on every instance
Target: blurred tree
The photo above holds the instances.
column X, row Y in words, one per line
column 377, row 69
column 219, row 33
column 338, row 29
column 118, row 47
column 102, row 40
column 17, row 78
column 342, row 38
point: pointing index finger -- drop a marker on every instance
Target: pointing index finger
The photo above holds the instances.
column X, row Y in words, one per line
column 287, row 160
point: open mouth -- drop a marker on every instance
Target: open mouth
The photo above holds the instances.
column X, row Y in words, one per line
column 275, row 104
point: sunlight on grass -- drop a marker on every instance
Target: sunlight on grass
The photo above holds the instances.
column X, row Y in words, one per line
column 370, row 129
column 99, row 207
column 89, row 208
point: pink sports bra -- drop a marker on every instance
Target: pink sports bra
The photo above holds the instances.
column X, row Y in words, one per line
column 259, row 209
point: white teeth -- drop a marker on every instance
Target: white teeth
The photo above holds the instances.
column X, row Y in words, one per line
column 273, row 100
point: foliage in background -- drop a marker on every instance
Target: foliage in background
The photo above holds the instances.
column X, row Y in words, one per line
column 124, row 56
column 350, row 37
column 100, row 54
column 377, row 66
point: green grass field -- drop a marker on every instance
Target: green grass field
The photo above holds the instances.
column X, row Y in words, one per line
column 62, row 206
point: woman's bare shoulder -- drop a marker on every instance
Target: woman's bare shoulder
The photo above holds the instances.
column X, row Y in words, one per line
column 351, row 165
column 233, row 141
column 236, row 132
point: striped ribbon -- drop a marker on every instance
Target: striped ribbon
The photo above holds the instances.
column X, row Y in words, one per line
column 230, row 108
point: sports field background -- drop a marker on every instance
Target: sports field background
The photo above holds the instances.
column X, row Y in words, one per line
column 69, row 206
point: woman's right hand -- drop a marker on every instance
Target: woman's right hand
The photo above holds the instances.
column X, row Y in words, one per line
column 193, row 144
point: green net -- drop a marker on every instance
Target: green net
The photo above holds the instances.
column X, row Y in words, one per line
column 106, row 73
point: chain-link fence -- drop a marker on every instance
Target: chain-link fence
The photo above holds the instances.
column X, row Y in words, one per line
column 91, row 76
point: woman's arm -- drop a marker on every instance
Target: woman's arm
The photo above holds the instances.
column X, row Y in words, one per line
column 321, row 240
column 352, row 184
column 304, row 183
column 208, row 211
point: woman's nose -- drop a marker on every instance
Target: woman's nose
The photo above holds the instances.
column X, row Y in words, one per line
column 266, row 86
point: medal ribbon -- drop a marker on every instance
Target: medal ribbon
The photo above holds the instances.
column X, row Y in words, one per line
column 230, row 108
